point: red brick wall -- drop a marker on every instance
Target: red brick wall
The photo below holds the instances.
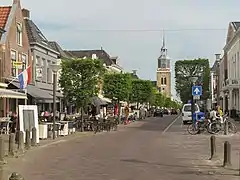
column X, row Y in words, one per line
column 11, row 43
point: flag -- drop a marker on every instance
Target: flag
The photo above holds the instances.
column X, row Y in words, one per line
column 24, row 77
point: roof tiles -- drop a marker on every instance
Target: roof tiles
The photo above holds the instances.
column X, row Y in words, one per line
column 4, row 13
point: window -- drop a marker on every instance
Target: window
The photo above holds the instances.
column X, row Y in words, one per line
column 19, row 34
column 24, row 61
column 163, row 63
column 164, row 81
column 13, row 61
column 49, row 73
column 238, row 63
column 188, row 108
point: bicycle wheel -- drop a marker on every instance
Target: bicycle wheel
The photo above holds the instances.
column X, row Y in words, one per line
column 193, row 129
column 232, row 128
column 214, row 128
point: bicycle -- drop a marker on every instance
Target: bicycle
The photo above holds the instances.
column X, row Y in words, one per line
column 217, row 126
column 199, row 126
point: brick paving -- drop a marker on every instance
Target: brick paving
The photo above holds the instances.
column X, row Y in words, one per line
column 138, row 151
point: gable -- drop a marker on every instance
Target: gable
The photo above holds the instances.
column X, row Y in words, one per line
column 232, row 28
column 4, row 14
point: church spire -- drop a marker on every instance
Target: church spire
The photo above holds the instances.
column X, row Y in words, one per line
column 163, row 49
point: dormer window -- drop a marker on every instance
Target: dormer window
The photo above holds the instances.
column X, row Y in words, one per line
column 94, row 56
column 19, row 34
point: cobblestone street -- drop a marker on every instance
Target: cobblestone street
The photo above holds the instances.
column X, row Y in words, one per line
column 149, row 149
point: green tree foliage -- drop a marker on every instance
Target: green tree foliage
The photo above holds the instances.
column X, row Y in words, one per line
column 159, row 100
column 184, row 69
column 79, row 80
column 154, row 91
column 168, row 102
column 117, row 86
column 141, row 91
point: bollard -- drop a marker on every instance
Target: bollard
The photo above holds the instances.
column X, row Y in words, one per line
column 34, row 136
column 226, row 128
column 27, row 140
column 239, row 164
column 227, row 154
column 213, row 147
column 1, row 172
column 21, row 142
column 11, row 147
column 2, row 149
column 15, row 176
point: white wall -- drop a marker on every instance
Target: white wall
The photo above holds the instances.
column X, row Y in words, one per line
column 233, row 60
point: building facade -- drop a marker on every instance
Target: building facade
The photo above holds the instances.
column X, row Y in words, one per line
column 44, row 56
column 164, row 72
column 215, row 81
column 15, row 51
column 229, row 69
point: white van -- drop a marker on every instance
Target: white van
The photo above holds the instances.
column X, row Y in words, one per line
column 187, row 114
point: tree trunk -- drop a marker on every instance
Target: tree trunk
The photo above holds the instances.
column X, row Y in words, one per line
column 119, row 112
column 82, row 127
column 137, row 105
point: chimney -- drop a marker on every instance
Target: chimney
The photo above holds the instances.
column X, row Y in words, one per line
column 218, row 57
column 16, row 2
column 26, row 13
column 134, row 72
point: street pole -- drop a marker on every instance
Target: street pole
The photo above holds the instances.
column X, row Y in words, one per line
column 192, row 106
column 54, row 102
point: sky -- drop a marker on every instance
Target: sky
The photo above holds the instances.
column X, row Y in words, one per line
column 132, row 29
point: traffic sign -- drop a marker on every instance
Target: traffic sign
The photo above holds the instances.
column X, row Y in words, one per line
column 196, row 90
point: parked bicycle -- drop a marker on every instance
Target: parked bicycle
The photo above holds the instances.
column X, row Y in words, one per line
column 218, row 126
column 199, row 126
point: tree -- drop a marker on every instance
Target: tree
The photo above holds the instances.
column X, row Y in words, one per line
column 159, row 100
column 141, row 91
column 117, row 86
column 184, row 69
column 79, row 79
column 168, row 102
column 152, row 98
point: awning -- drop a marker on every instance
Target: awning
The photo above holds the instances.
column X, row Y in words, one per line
column 41, row 95
column 96, row 101
column 58, row 94
column 6, row 93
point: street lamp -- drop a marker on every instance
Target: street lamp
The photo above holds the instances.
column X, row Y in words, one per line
column 55, row 68
column 193, row 80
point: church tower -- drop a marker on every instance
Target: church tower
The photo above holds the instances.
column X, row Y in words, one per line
column 164, row 72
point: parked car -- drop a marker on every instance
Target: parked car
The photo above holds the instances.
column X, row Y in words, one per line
column 158, row 112
column 187, row 114
column 166, row 111
column 174, row 112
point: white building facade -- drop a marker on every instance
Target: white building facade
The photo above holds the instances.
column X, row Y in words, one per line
column 230, row 92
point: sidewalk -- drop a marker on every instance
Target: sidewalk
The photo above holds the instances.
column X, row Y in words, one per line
column 195, row 150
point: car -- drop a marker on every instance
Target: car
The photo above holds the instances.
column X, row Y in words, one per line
column 187, row 112
column 166, row 112
column 174, row 112
column 158, row 112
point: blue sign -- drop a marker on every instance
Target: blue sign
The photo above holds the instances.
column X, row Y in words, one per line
column 196, row 90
